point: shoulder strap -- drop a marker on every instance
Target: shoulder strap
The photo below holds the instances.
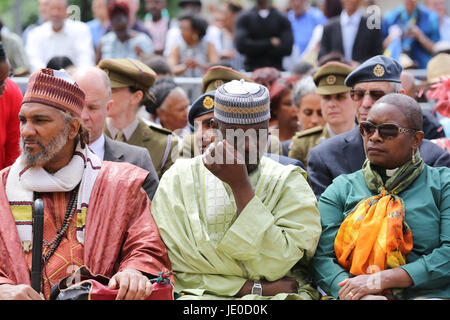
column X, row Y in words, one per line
column 167, row 151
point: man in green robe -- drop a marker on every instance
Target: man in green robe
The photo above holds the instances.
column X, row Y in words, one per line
column 236, row 223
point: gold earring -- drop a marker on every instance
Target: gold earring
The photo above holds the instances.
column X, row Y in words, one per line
column 413, row 160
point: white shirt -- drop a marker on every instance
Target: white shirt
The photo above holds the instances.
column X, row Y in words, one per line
column 74, row 41
column 98, row 147
column 349, row 27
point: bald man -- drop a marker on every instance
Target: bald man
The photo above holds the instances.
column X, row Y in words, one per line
column 96, row 85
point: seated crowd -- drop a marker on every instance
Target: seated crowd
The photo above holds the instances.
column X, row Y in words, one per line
column 330, row 183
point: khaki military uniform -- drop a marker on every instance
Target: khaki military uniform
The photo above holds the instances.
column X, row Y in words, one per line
column 329, row 79
column 160, row 143
column 304, row 141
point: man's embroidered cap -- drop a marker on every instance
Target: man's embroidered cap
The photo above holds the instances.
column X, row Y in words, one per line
column 241, row 102
column 55, row 89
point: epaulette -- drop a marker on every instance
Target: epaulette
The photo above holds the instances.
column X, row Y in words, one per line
column 160, row 129
column 309, row 132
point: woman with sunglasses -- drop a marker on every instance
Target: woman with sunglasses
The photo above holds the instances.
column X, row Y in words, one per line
column 386, row 228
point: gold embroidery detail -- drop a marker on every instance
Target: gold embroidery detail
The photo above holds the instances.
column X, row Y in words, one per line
column 208, row 102
column 378, row 71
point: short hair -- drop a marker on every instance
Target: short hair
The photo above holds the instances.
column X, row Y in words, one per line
column 305, row 86
column 408, row 106
column 198, row 23
column 106, row 82
column 395, row 86
column 83, row 133
column 59, row 62
column 159, row 65
column 234, row 6
column 332, row 8
column 302, row 68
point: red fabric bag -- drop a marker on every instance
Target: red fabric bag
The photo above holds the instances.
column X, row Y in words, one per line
column 83, row 285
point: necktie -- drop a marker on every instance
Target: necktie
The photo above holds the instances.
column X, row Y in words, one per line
column 120, row 136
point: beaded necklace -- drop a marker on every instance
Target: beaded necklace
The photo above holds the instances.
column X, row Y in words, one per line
column 71, row 208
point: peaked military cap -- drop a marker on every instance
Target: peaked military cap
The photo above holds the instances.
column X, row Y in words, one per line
column 330, row 78
column 127, row 72
column 378, row 68
column 218, row 75
column 202, row 105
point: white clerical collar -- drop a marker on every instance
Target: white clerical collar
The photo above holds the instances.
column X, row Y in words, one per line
column 127, row 131
column 391, row 172
column 98, row 147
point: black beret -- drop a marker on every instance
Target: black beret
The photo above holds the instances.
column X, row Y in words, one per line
column 203, row 105
column 378, row 68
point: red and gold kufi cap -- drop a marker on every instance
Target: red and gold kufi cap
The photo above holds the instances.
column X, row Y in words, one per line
column 55, row 89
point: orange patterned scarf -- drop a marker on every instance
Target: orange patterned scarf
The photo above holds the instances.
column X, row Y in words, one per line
column 374, row 236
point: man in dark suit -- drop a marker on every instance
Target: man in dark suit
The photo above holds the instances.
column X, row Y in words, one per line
column 351, row 34
column 95, row 84
column 264, row 36
column 344, row 153
column 117, row 151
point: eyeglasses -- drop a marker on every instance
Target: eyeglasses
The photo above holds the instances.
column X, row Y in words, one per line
column 385, row 130
column 358, row 94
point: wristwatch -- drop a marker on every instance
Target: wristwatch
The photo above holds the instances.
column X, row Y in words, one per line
column 257, row 288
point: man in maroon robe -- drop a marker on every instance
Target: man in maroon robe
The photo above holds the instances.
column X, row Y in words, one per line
column 95, row 213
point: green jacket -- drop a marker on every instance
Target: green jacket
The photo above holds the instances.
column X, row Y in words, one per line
column 427, row 213
column 159, row 142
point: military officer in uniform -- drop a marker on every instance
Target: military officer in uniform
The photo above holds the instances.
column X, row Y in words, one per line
column 130, row 83
column 338, row 110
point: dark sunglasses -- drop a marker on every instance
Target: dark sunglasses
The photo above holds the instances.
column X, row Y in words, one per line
column 358, row 95
column 385, row 130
